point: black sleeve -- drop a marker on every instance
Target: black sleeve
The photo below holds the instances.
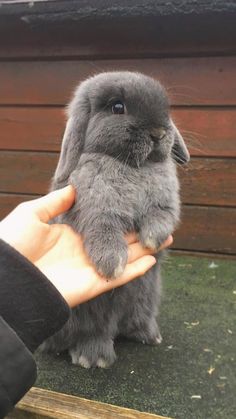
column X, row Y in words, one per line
column 17, row 368
column 31, row 309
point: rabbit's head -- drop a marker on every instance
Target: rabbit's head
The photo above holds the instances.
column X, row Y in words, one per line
column 121, row 114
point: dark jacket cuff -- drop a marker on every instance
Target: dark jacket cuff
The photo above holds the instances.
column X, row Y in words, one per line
column 29, row 302
column 17, row 369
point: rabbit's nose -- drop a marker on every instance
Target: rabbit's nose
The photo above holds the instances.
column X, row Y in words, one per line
column 158, row 133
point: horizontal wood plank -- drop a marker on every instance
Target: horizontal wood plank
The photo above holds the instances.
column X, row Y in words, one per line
column 117, row 28
column 40, row 403
column 190, row 81
column 203, row 229
column 202, row 254
column 204, row 181
column 31, row 128
column 208, row 229
column 207, row 131
column 94, row 48
column 62, row 48
column 28, row 173
column 209, row 182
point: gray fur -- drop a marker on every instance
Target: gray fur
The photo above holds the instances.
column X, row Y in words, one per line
column 125, row 178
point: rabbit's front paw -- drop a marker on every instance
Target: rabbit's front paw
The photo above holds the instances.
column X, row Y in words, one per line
column 110, row 258
column 111, row 265
column 152, row 235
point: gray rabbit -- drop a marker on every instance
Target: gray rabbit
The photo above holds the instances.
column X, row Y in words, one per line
column 119, row 150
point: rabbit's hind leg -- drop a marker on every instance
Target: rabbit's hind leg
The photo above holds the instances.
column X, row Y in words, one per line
column 140, row 320
column 147, row 333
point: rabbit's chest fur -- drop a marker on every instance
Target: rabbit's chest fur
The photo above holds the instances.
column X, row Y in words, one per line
column 106, row 185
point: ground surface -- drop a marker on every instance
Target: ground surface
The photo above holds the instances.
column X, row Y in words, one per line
column 192, row 374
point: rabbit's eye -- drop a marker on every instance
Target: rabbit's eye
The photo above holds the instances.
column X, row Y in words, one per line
column 118, row 107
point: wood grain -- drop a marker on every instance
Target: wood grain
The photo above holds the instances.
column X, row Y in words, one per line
column 203, row 229
column 31, row 128
column 28, row 173
column 118, row 30
column 207, row 131
column 39, row 403
column 202, row 254
column 208, row 229
column 204, row 181
column 209, row 182
column 190, row 81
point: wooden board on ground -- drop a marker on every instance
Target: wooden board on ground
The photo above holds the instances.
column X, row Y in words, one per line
column 39, row 403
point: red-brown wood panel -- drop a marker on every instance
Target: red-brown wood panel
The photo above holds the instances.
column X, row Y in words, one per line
column 200, row 80
column 204, row 229
column 31, row 128
column 209, row 181
column 26, row 172
column 208, row 229
column 204, row 181
column 207, row 131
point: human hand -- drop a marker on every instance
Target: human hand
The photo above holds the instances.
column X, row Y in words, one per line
column 58, row 251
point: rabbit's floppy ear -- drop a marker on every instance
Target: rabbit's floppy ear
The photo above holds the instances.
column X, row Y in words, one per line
column 179, row 150
column 73, row 139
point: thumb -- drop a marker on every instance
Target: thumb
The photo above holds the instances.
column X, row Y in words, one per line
column 54, row 203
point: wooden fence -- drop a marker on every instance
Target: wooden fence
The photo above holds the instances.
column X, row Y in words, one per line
column 37, row 79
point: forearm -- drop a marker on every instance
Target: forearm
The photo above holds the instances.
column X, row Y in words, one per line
column 17, row 368
column 29, row 303
column 31, row 309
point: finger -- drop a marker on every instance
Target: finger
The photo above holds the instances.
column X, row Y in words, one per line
column 166, row 243
column 54, row 203
column 136, row 251
column 133, row 270
column 131, row 238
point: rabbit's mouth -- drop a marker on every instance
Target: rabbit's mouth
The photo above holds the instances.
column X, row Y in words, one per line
column 136, row 154
column 131, row 146
column 135, row 147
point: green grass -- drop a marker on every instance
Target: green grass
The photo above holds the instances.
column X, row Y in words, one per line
column 196, row 358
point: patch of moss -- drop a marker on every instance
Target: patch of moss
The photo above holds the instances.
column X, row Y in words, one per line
column 192, row 373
